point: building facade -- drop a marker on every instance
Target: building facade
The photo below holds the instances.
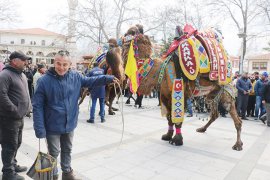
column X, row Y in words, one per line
column 259, row 63
column 37, row 43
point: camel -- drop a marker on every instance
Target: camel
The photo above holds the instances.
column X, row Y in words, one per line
column 214, row 92
column 112, row 64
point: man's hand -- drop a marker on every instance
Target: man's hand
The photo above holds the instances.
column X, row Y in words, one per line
column 115, row 80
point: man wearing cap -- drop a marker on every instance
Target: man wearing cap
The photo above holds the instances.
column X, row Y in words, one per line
column 55, row 108
column 14, row 105
column 41, row 69
column 259, row 95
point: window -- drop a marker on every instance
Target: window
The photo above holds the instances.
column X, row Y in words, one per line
column 22, row 41
column 43, row 43
column 259, row 66
column 11, row 42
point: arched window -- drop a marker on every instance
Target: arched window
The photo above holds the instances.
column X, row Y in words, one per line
column 40, row 54
column 29, row 53
column 51, row 54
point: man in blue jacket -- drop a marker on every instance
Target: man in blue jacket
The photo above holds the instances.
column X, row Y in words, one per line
column 259, row 93
column 55, row 108
column 244, row 87
column 97, row 93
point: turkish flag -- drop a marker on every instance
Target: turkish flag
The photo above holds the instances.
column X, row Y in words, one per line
column 178, row 86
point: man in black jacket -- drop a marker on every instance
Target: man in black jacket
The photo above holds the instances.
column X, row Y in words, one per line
column 266, row 101
column 14, row 105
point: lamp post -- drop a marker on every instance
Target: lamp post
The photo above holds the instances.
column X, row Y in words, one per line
column 242, row 35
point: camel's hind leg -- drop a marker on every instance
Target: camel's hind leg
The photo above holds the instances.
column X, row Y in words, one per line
column 238, row 146
column 213, row 116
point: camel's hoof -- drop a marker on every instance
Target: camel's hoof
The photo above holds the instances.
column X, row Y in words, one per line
column 111, row 113
column 167, row 136
column 238, row 146
column 201, row 130
column 177, row 140
column 114, row 109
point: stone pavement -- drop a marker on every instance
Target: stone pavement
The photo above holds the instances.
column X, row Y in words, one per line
column 98, row 154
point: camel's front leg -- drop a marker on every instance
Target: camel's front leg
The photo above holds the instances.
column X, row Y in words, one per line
column 178, row 138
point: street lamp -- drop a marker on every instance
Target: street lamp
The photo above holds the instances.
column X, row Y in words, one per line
column 242, row 35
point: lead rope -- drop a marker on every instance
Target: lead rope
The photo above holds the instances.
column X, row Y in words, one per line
column 121, row 110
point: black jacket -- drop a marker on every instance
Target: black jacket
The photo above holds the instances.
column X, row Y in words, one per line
column 14, row 95
column 266, row 93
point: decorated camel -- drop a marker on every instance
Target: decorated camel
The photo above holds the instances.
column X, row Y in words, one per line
column 196, row 64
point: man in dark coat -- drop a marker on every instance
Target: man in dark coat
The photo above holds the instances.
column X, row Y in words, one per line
column 14, row 105
column 97, row 93
column 244, row 87
column 266, row 101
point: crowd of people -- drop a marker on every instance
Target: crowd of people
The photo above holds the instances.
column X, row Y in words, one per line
column 252, row 95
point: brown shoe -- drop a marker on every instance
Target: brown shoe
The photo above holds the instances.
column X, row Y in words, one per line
column 69, row 176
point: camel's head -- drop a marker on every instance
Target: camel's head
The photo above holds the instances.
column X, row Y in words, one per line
column 142, row 45
column 114, row 59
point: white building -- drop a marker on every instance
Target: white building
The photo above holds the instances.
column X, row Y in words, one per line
column 259, row 63
column 37, row 43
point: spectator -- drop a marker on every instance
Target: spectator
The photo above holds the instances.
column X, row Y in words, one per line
column 257, row 75
column 189, row 108
column 29, row 75
column 251, row 98
column 14, row 105
column 55, row 108
column 138, row 100
column 266, row 101
column 244, row 87
column 97, row 93
column 41, row 69
column 258, row 92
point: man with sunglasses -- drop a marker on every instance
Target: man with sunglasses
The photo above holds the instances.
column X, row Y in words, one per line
column 14, row 105
column 55, row 108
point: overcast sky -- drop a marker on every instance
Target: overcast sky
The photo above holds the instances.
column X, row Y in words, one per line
column 38, row 13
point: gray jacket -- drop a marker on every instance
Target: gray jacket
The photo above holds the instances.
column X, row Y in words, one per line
column 14, row 96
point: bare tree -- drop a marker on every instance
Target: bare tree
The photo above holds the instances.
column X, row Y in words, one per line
column 264, row 5
column 8, row 11
column 241, row 12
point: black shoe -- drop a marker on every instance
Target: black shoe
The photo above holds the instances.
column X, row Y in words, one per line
column 127, row 102
column 12, row 176
column 223, row 116
column 90, row 121
column 19, row 168
column 244, row 118
column 263, row 118
column 103, row 120
column 190, row 115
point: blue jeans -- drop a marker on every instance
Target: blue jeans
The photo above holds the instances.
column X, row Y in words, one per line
column 189, row 106
column 61, row 142
column 93, row 108
column 259, row 106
